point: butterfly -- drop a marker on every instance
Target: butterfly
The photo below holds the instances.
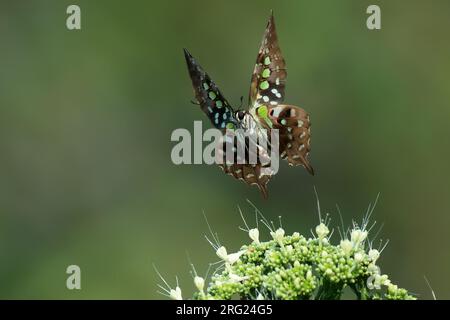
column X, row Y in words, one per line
column 265, row 111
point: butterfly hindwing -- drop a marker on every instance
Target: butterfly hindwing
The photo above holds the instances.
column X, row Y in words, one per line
column 252, row 173
column 294, row 128
column 208, row 95
column 249, row 174
column 269, row 75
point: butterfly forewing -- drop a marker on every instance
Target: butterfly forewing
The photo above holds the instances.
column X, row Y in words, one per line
column 269, row 75
column 208, row 95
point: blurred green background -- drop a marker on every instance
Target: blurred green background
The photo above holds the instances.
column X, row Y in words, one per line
column 86, row 118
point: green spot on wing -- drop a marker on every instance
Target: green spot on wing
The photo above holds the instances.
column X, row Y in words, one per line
column 264, row 85
column 266, row 73
column 205, row 86
column 212, row 95
column 262, row 111
column 230, row 125
column 219, row 104
column 267, row 61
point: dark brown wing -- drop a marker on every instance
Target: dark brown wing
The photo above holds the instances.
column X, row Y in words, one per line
column 251, row 175
column 269, row 75
column 294, row 128
column 208, row 95
column 266, row 95
column 253, row 171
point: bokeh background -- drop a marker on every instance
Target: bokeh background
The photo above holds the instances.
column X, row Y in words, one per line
column 86, row 118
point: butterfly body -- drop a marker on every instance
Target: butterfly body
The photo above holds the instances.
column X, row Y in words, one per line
column 266, row 112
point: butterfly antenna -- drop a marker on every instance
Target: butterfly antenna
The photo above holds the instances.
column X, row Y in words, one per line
column 242, row 101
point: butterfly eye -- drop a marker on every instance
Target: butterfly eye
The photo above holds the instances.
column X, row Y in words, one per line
column 240, row 115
